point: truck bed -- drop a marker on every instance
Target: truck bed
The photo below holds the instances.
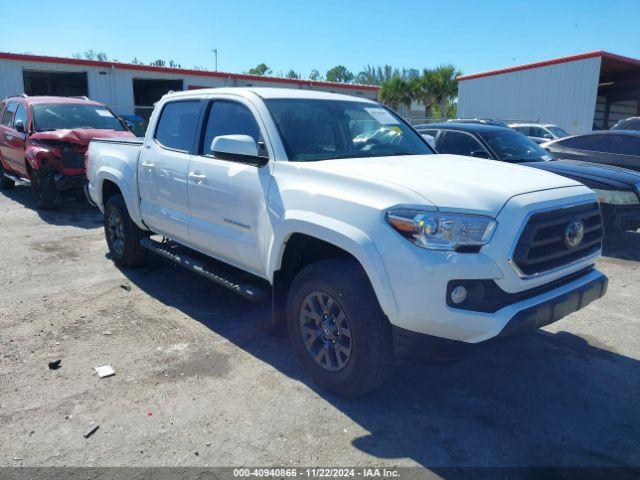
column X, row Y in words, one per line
column 128, row 141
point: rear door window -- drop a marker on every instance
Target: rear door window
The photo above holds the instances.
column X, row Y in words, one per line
column 7, row 116
column 177, row 125
column 628, row 145
column 458, row 143
column 523, row 130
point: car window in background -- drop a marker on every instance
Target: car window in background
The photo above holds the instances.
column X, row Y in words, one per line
column 21, row 114
column 459, row 143
column 629, row 145
column 7, row 116
column 558, row 132
column 314, row 130
column 593, row 143
column 523, row 130
column 429, row 131
column 514, row 147
column 538, row 132
column 177, row 125
column 229, row 118
column 63, row 116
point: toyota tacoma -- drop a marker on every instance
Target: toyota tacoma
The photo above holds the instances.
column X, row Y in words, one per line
column 368, row 244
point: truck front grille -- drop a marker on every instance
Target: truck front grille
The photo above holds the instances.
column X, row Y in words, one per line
column 72, row 157
column 543, row 244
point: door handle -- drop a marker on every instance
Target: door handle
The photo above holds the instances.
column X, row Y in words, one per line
column 197, row 177
column 148, row 166
column 9, row 137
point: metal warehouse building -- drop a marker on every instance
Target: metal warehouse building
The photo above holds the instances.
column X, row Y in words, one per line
column 129, row 88
column 579, row 93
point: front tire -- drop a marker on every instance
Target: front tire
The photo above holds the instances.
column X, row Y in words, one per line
column 43, row 186
column 123, row 236
column 337, row 328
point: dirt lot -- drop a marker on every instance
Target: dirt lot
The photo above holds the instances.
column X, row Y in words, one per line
column 201, row 380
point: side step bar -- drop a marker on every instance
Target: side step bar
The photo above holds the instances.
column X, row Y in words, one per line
column 19, row 181
column 230, row 277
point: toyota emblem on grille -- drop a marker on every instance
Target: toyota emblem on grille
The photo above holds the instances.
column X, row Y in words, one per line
column 574, row 234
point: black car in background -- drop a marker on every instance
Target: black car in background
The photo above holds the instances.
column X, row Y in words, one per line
column 620, row 148
column 631, row 123
column 618, row 189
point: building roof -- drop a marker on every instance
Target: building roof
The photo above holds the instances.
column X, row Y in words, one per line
column 179, row 71
column 611, row 64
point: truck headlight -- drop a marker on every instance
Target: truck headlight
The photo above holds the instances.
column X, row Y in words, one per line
column 617, row 197
column 442, row 231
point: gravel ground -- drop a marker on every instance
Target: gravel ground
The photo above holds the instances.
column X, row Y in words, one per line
column 202, row 380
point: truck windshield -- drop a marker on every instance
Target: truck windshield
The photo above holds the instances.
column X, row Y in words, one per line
column 511, row 146
column 70, row 116
column 314, row 130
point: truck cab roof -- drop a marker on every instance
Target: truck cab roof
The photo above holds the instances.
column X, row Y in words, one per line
column 269, row 93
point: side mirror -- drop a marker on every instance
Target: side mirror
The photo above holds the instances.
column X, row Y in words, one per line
column 480, row 154
column 548, row 136
column 19, row 126
column 237, row 148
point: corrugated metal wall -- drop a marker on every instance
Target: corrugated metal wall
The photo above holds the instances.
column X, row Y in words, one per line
column 114, row 86
column 564, row 94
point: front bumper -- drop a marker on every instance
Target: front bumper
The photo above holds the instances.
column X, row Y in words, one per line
column 543, row 312
column 67, row 182
column 621, row 217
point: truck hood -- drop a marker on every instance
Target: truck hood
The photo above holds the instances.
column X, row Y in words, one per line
column 81, row 136
column 450, row 182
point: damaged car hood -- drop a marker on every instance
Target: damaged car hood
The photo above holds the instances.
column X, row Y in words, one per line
column 81, row 136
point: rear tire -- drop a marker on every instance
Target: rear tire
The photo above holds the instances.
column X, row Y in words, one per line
column 123, row 235
column 349, row 326
column 43, row 186
column 5, row 183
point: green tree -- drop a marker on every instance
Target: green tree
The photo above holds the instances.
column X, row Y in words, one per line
column 260, row 69
column 423, row 90
column 92, row 55
column 315, row 75
column 396, row 92
column 292, row 74
column 158, row 63
column 339, row 74
column 445, row 86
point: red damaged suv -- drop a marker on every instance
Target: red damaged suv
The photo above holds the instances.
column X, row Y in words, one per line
column 44, row 140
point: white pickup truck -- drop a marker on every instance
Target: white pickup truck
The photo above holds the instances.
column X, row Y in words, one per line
column 368, row 243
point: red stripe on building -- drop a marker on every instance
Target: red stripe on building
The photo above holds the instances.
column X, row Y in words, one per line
column 546, row 63
column 180, row 71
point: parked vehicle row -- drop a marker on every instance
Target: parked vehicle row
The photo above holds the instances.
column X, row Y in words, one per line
column 43, row 140
column 618, row 189
column 619, row 148
column 539, row 132
column 369, row 244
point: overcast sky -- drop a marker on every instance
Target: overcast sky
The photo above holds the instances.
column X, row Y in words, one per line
column 305, row 35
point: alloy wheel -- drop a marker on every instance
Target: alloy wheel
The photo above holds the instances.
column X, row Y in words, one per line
column 325, row 330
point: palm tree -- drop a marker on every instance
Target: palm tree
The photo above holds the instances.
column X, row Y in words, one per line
column 445, row 86
column 395, row 92
column 423, row 90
